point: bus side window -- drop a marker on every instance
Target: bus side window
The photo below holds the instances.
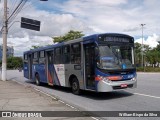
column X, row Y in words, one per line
column 51, row 57
column 76, row 53
column 66, row 54
column 42, row 57
column 57, row 56
column 25, row 58
column 35, row 58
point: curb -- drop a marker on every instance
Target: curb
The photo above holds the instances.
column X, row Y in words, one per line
column 55, row 98
column 148, row 72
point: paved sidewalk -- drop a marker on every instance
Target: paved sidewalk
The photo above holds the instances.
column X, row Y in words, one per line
column 17, row 97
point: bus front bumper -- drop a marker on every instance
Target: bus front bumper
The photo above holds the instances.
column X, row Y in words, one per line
column 104, row 86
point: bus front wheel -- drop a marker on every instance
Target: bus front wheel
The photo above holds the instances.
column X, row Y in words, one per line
column 37, row 79
column 75, row 86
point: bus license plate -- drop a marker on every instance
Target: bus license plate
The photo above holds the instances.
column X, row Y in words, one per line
column 123, row 85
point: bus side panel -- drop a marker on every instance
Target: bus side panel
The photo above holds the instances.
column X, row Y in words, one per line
column 42, row 73
column 34, row 72
column 52, row 75
column 41, row 70
column 67, row 74
column 60, row 74
column 74, row 69
column 26, row 71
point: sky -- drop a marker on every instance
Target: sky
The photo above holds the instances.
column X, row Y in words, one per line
column 90, row 16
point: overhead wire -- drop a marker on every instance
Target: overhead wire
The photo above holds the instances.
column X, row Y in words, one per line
column 16, row 10
column 13, row 3
column 30, row 4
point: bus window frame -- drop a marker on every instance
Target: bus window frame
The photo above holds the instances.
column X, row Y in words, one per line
column 35, row 59
column 59, row 56
column 74, row 54
column 42, row 58
column 43, row 54
column 64, row 55
column 25, row 58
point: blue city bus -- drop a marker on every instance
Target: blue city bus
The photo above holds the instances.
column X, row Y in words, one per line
column 100, row 63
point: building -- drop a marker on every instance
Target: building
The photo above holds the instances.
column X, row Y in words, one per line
column 10, row 51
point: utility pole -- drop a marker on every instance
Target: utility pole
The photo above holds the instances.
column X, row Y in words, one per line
column 5, row 26
column 142, row 64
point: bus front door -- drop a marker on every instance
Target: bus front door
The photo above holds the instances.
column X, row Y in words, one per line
column 89, row 65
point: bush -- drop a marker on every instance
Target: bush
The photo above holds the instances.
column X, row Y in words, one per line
column 148, row 69
column 14, row 62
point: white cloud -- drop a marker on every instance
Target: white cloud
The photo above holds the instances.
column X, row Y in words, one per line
column 116, row 15
column 22, row 44
column 89, row 16
column 152, row 41
column 51, row 25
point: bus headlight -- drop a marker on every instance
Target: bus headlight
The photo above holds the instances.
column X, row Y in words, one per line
column 106, row 80
column 134, row 79
column 101, row 78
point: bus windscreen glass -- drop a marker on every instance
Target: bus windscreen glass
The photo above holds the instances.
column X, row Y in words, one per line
column 115, row 57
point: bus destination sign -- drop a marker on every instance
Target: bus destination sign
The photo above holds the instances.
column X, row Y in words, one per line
column 115, row 39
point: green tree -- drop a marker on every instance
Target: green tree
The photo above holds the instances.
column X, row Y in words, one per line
column 34, row 47
column 158, row 47
column 138, row 54
column 146, row 49
column 14, row 62
column 71, row 35
column 153, row 56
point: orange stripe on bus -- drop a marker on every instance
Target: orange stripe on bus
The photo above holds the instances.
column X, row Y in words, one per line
column 114, row 78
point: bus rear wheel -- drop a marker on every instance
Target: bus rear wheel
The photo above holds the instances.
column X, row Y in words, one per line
column 37, row 80
column 75, row 86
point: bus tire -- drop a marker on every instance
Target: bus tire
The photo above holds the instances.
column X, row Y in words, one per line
column 75, row 86
column 37, row 79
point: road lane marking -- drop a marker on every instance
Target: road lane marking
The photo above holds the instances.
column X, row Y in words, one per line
column 70, row 106
column 38, row 90
column 45, row 93
column 95, row 118
column 61, row 101
column 146, row 95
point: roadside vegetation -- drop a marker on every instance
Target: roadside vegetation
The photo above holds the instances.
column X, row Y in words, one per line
column 14, row 63
column 151, row 58
column 71, row 35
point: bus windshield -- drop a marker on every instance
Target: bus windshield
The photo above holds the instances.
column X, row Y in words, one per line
column 115, row 57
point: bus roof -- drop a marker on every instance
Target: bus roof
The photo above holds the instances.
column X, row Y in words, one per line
column 85, row 38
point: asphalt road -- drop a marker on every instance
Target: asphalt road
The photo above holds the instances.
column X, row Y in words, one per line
column 146, row 97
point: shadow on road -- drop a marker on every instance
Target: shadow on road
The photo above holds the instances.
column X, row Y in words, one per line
column 106, row 95
column 59, row 88
column 89, row 94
